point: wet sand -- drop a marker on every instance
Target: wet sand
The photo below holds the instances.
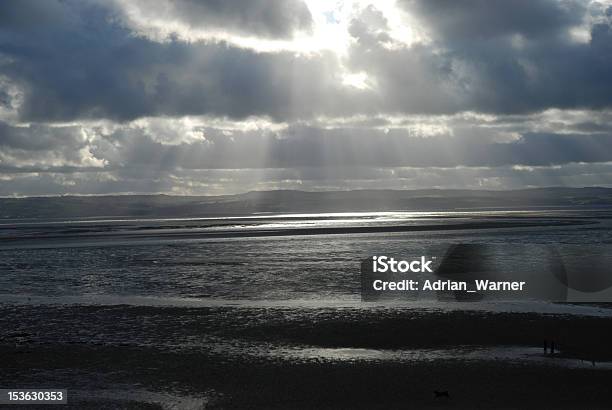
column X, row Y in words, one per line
column 170, row 357
column 202, row 380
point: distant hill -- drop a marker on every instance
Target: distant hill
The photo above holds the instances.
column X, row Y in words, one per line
column 298, row 201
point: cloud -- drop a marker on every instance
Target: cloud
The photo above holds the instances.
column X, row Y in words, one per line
column 99, row 97
column 471, row 20
column 85, row 64
column 39, row 138
column 217, row 182
column 92, row 68
column 311, row 147
column 41, row 148
column 492, row 57
column 296, row 146
column 264, row 18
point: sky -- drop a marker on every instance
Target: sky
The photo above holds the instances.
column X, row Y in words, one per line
column 211, row 97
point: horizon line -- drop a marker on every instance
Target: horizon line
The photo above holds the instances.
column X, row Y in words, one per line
column 126, row 194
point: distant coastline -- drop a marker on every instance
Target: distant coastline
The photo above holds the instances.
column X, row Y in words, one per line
column 289, row 201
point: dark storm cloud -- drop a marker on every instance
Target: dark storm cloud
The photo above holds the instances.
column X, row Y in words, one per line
column 75, row 60
column 92, row 68
column 495, row 57
column 36, row 148
column 486, row 19
column 39, row 137
column 267, row 18
column 31, row 14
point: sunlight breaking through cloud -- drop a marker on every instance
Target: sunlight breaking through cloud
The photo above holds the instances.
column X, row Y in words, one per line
column 150, row 96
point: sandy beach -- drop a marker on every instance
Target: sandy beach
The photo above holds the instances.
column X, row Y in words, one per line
column 160, row 357
column 268, row 314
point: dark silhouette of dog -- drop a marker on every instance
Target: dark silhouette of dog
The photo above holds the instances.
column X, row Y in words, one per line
column 441, row 394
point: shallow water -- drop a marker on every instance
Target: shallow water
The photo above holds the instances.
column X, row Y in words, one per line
column 116, row 258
